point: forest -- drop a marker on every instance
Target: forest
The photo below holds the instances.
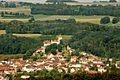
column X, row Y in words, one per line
column 93, row 38
column 99, row 43
column 15, row 45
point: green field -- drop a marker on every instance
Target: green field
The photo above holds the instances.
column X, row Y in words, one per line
column 91, row 19
column 79, row 18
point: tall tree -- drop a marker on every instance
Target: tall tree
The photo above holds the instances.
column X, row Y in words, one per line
column 2, row 14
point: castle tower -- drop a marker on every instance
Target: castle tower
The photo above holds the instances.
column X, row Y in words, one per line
column 59, row 37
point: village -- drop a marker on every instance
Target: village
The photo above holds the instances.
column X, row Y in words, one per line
column 84, row 62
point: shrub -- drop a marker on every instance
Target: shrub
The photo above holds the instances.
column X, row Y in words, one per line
column 115, row 20
column 105, row 20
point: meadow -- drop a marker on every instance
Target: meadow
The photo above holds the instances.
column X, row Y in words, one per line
column 79, row 18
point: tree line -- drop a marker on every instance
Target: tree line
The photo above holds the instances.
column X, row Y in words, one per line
column 12, row 15
column 62, row 9
column 8, row 5
column 56, row 27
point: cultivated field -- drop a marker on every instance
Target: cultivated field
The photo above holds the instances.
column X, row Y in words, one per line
column 84, row 3
column 25, row 10
column 10, row 19
column 50, row 17
column 28, row 35
column 79, row 18
column 92, row 3
column 2, row 32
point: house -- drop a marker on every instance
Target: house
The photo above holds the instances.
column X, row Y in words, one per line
column 92, row 72
column 101, row 69
column 50, row 56
column 49, row 68
column 74, row 58
column 25, row 77
column 42, row 49
column 72, row 70
column 60, row 70
column 2, row 68
column 71, row 51
column 28, row 68
column 117, row 64
column 10, row 70
column 83, row 53
column 85, row 68
column 98, row 63
column 75, row 65
column 47, row 43
column 68, row 48
column 83, row 60
column 2, row 78
column 40, row 67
